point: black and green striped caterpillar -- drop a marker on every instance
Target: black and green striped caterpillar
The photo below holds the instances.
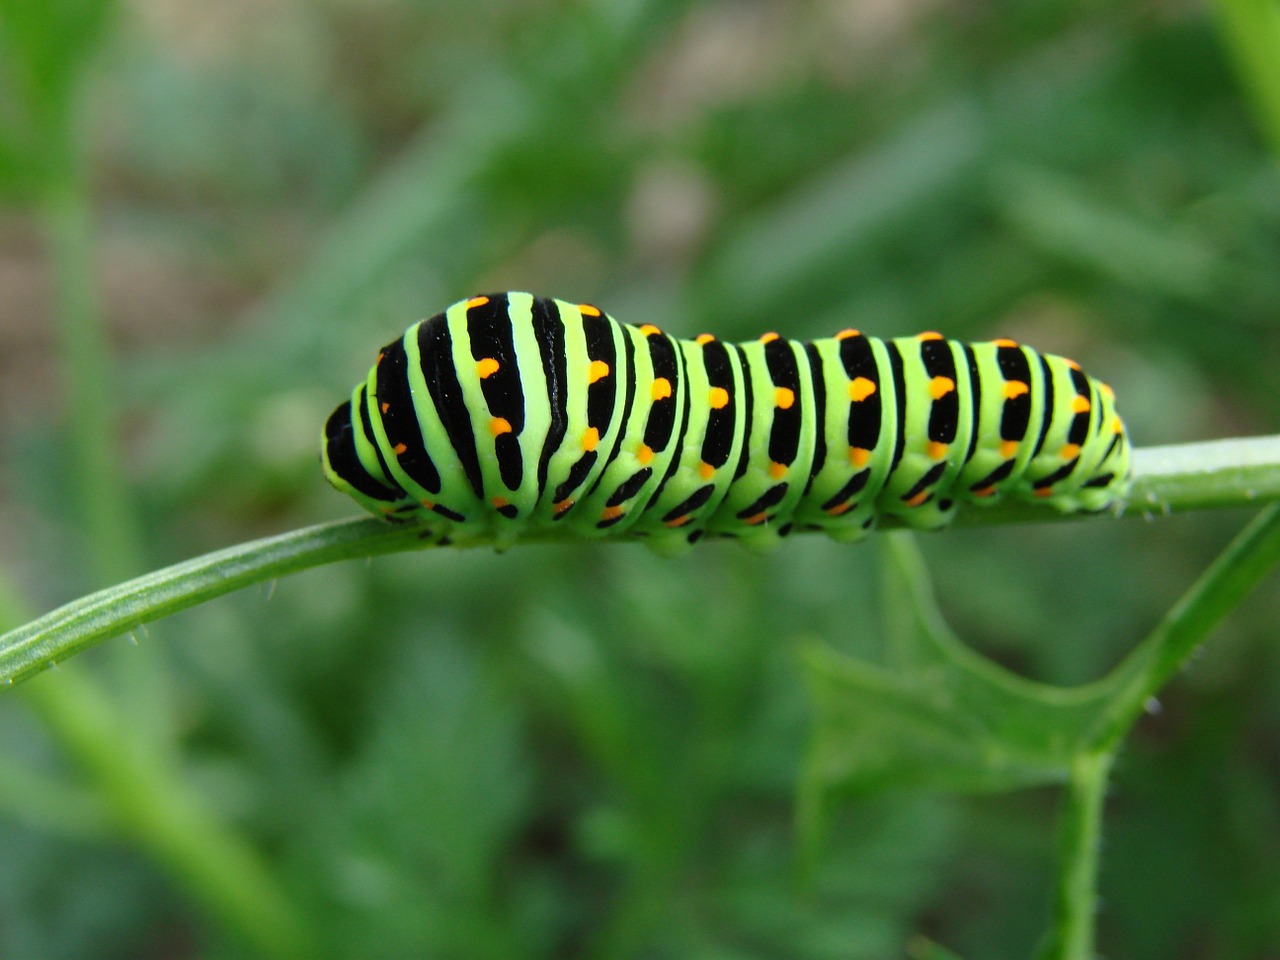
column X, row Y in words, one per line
column 509, row 415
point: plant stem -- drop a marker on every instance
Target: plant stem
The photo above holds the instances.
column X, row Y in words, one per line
column 1237, row 472
column 143, row 796
column 126, row 757
column 89, row 620
column 1072, row 936
column 109, row 530
column 1141, row 675
column 84, row 622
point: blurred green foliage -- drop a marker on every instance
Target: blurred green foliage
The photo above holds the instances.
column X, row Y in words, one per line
column 592, row 752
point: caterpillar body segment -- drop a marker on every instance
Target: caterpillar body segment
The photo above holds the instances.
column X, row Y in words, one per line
column 508, row 414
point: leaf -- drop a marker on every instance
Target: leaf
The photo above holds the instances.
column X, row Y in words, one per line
column 942, row 716
column 877, row 728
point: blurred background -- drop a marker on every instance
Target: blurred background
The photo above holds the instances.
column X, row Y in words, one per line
column 214, row 214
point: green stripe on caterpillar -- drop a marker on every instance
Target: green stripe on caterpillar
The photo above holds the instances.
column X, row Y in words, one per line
column 509, row 414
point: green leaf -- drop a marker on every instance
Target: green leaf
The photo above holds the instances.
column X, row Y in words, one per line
column 946, row 717
column 942, row 716
column 881, row 728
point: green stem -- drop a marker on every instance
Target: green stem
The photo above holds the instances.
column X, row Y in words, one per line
column 89, row 620
column 138, row 792
column 1249, row 557
column 1145, row 671
column 1239, row 472
column 139, row 788
column 108, row 528
column 1072, row 936
column 1173, row 478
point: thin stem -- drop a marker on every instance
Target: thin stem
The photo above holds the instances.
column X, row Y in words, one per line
column 133, row 774
column 138, row 792
column 1238, row 472
column 109, row 530
column 84, row 622
column 1142, row 674
column 1176, row 480
column 1072, row 935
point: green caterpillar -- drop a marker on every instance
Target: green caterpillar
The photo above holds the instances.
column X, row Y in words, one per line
column 510, row 414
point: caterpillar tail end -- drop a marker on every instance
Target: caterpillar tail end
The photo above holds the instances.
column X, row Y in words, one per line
column 347, row 472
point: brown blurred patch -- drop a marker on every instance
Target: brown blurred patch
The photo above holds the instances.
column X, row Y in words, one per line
column 153, row 293
column 26, row 338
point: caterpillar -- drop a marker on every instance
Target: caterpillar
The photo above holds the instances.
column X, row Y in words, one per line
column 510, row 415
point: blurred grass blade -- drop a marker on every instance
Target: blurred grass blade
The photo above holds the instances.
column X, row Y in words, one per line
column 1251, row 34
column 426, row 191
column 137, row 792
column 49, row 44
column 109, row 529
column 434, row 189
column 1091, row 232
column 812, row 230
column 149, row 802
